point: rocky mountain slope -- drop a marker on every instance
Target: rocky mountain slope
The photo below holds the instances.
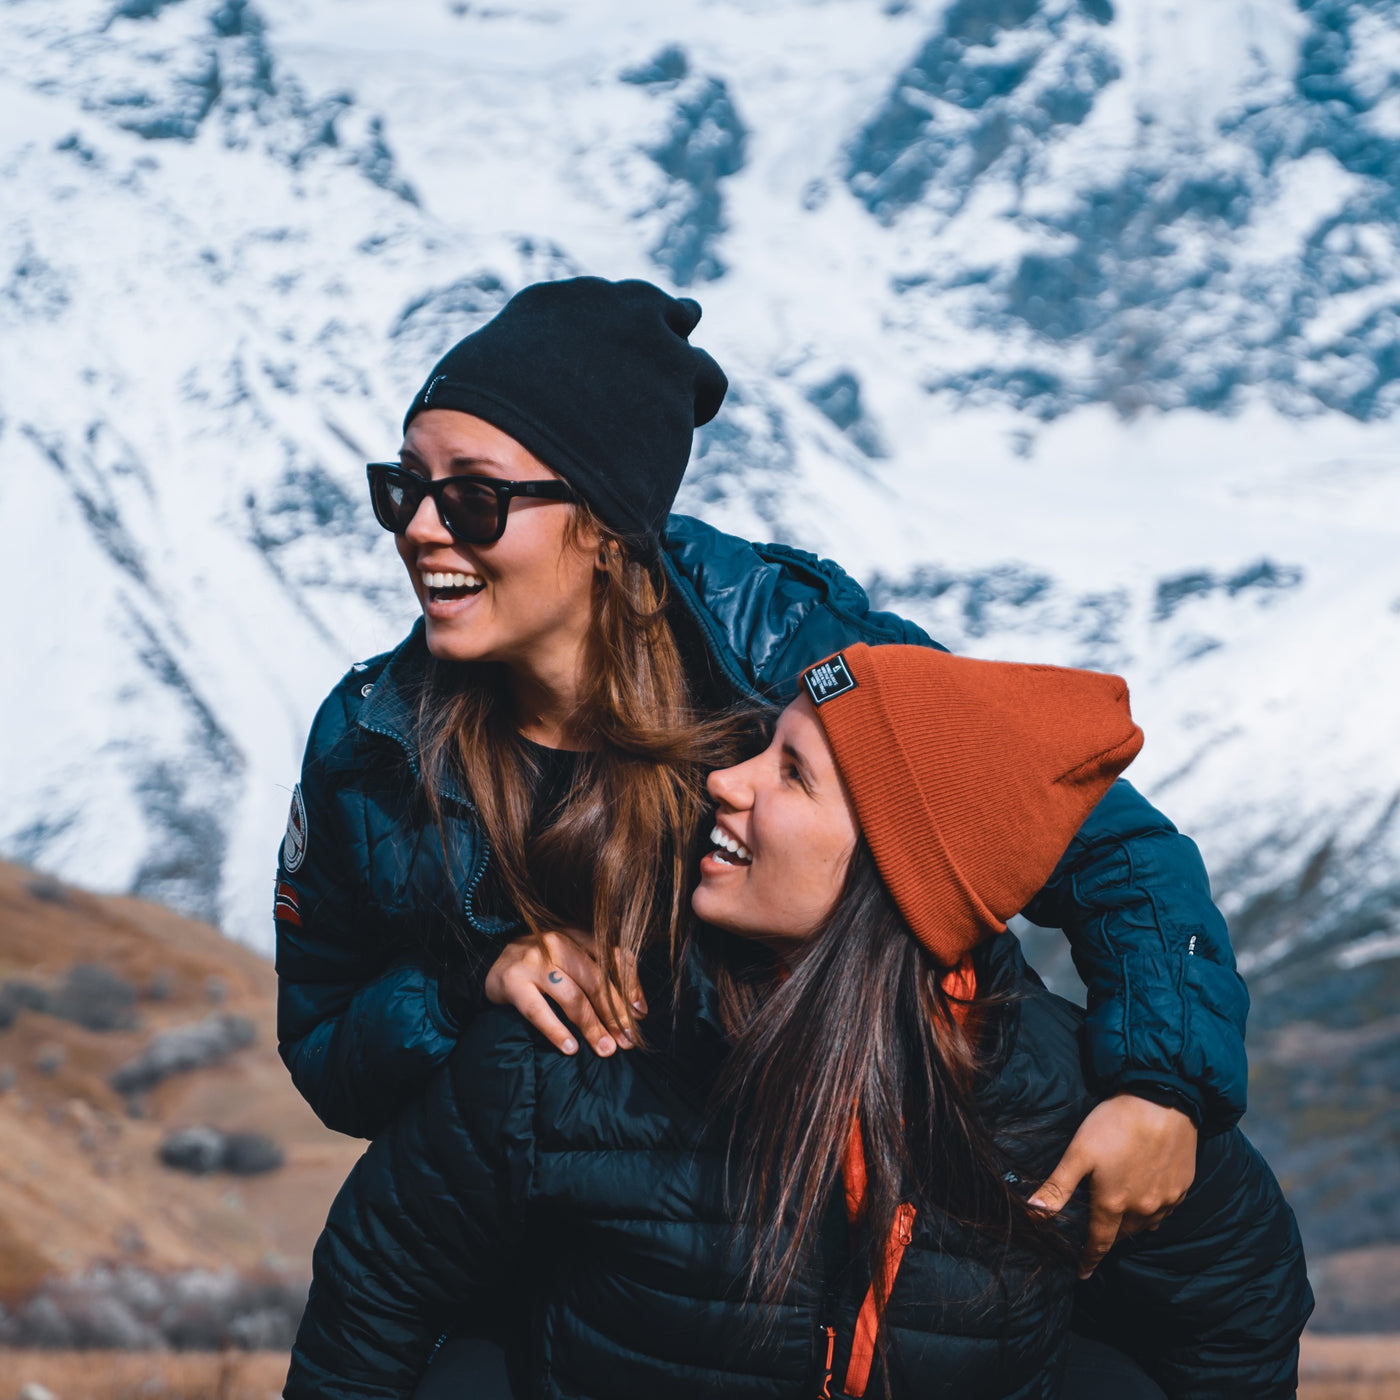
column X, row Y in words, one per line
column 1069, row 326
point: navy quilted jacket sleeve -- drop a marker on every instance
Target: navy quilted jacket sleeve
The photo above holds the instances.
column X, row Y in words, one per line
column 1166, row 1006
column 357, row 1035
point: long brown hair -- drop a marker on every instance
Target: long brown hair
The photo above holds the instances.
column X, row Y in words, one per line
column 863, row 1028
column 615, row 858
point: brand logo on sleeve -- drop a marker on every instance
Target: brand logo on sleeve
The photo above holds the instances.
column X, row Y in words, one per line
column 294, row 843
column 830, row 679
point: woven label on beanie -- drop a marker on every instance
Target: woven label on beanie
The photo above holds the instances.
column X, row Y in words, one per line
column 829, row 679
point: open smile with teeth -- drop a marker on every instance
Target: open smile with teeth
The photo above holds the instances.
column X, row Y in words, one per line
column 442, row 587
column 727, row 850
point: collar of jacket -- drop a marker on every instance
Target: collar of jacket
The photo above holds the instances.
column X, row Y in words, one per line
column 391, row 707
column 722, row 586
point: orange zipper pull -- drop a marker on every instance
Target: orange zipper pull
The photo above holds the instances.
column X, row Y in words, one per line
column 830, row 1352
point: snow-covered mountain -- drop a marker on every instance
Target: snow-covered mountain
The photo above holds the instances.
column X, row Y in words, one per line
column 1071, row 327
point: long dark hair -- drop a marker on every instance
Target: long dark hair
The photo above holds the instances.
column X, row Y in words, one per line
column 618, row 853
column 864, row 1028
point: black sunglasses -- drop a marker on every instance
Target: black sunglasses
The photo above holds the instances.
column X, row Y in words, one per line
column 473, row 509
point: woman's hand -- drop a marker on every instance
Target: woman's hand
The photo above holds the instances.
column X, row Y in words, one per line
column 562, row 967
column 1140, row 1158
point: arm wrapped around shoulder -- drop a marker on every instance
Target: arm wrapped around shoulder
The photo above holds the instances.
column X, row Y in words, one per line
column 1213, row 1301
column 1166, row 1006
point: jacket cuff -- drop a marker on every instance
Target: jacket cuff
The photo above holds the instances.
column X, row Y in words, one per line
column 1166, row 1090
column 1176, row 1021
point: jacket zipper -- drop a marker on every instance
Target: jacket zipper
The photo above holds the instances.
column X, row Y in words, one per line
column 867, row 1326
column 478, row 875
column 867, row 1323
column 825, row 1392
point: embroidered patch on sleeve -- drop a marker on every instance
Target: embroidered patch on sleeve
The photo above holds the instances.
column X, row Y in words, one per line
column 830, row 679
column 285, row 906
column 294, row 843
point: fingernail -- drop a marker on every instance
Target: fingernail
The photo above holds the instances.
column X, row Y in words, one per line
column 1085, row 1273
column 626, row 1038
column 570, row 1046
column 1037, row 1204
column 606, row 1045
column 640, row 1007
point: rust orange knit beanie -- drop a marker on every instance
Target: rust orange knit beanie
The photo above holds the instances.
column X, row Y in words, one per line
column 969, row 778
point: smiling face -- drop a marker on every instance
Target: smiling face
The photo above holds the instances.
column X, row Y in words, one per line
column 524, row 600
column 783, row 837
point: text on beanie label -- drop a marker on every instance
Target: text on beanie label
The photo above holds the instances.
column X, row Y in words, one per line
column 828, row 680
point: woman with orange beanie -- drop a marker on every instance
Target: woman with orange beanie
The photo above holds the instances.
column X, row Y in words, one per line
column 814, row 1180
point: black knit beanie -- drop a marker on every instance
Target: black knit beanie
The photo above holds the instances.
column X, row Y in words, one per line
column 598, row 380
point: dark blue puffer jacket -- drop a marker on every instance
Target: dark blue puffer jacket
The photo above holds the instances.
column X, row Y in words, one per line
column 367, row 880
column 591, row 1192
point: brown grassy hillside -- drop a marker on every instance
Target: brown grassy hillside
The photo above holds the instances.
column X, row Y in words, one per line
column 80, row 1182
column 107, row 1375
column 1350, row 1368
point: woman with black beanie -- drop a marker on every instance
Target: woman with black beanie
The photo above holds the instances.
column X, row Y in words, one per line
column 502, row 808
column 814, row 1179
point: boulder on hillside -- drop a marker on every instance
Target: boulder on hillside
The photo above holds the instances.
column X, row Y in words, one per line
column 96, row 998
column 195, row 1046
column 17, row 995
column 91, row 996
column 203, row 1149
column 131, row 1308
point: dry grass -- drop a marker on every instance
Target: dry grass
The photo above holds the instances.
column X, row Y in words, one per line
column 1381, row 1389
column 1350, row 1368
column 1334, row 1368
column 1350, row 1390
column 117, row 1375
